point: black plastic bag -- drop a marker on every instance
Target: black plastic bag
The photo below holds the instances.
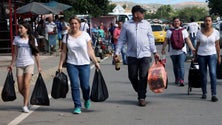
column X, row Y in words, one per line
column 8, row 91
column 60, row 85
column 40, row 94
column 99, row 91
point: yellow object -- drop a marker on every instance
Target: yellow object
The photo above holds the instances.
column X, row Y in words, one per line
column 159, row 33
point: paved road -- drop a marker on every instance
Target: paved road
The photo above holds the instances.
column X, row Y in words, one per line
column 173, row 107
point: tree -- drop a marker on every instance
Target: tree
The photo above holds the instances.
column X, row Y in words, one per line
column 188, row 12
column 124, row 6
column 215, row 7
column 92, row 7
column 111, row 7
column 164, row 11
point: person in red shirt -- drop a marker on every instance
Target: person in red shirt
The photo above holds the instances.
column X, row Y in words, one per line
column 116, row 34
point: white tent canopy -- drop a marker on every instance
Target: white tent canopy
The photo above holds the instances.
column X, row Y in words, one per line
column 118, row 9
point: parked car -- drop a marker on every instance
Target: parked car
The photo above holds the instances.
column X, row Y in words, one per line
column 158, row 32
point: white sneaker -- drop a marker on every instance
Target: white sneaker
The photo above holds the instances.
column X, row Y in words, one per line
column 25, row 109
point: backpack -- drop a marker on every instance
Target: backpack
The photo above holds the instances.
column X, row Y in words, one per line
column 177, row 41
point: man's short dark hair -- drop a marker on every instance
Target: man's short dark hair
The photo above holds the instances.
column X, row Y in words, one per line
column 192, row 19
column 138, row 8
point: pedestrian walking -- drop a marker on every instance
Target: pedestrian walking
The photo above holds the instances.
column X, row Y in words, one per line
column 65, row 30
column 138, row 36
column 59, row 30
column 116, row 34
column 25, row 47
column 208, row 55
column 192, row 28
column 84, row 25
column 51, row 30
column 177, row 49
column 41, row 38
column 78, row 47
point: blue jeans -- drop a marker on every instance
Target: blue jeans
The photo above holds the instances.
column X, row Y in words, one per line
column 211, row 62
column 178, row 66
column 79, row 77
column 137, row 73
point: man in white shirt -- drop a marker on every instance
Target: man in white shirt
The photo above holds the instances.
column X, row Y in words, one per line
column 138, row 36
column 51, row 30
column 65, row 29
column 84, row 25
column 193, row 27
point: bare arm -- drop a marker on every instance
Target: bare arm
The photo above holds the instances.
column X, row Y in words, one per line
column 197, row 47
column 14, row 56
column 92, row 54
column 190, row 45
column 164, row 46
column 38, row 62
column 217, row 45
column 62, row 56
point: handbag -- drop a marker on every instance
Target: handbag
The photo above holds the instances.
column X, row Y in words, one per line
column 8, row 91
column 99, row 91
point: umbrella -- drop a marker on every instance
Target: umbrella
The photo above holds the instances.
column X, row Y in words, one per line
column 36, row 8
column 57, row 6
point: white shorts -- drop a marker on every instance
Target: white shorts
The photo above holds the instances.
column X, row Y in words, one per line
column 26, row 69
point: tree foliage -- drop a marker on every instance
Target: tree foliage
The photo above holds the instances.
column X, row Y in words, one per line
column 92, row 7
column 215, row 7
column 196, row 12
column 167, row 12
column 164, row 11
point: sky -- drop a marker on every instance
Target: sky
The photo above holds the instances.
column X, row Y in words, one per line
column 160, row 1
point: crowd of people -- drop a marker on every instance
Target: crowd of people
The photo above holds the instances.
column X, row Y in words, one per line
column 132, row 39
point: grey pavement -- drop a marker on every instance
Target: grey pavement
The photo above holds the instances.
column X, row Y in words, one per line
column 172, row 107
column 48, row 63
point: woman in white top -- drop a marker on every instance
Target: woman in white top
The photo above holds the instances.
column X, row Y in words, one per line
column 79, row 53
column 25, row 47
column 208, row 54
column 178, row 56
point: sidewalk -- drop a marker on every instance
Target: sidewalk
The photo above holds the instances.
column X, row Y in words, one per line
column 49, row 65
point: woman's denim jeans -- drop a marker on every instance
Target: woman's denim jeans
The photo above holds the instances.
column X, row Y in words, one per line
column 211, row 62
column 178, row 66
column 137, row 73
column 79, row 77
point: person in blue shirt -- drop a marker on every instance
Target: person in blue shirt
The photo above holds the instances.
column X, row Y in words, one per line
column 59, row 29
column 138, row 36
column 94, row 32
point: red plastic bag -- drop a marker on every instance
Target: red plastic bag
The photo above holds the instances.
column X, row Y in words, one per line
column 157, row 77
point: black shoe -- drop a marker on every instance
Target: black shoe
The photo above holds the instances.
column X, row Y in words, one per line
column 203, row 96
column 176, row 83
column 142, row 102
column 214, row 99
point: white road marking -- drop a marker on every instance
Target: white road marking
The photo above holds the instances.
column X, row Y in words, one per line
column 22, row 116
